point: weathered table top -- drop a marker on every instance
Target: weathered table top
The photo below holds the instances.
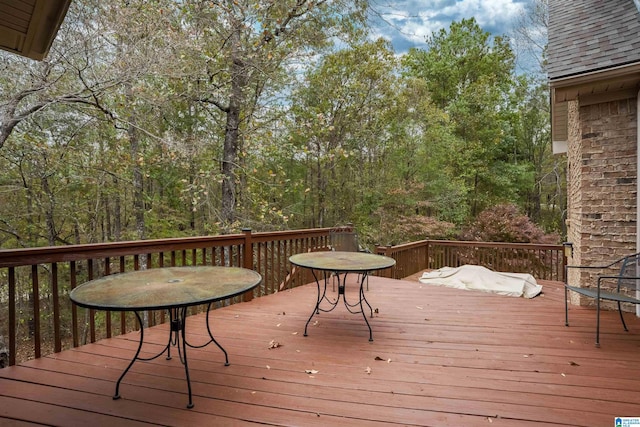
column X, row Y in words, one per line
column 342, row 261
column 161, row 288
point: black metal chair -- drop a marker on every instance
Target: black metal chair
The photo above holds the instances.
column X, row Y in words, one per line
column 625, row 290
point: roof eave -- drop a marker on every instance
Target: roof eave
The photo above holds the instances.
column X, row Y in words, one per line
column 44, row 22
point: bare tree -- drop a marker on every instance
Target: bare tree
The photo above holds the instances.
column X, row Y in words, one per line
column 530, row 36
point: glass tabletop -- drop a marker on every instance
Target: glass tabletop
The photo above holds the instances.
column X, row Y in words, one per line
column 342, row 261
column 160, row 288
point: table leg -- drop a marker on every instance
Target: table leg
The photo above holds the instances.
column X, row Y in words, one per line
column 365, row 277
column 177, row 337
column 116, row 396
column 361, row 298
column 322, row 295
column 211, row 339
column 318, row 299
column 183, row 358
column 174, row 330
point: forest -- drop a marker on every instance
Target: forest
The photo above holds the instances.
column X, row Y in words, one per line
column 152, row 119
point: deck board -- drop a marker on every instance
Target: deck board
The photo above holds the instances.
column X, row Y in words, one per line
column 439, row 357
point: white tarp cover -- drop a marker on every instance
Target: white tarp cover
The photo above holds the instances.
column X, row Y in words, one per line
column 475, row 277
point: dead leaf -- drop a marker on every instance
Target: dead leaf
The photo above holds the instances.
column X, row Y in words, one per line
column 368, row 370
column 379, row 358
column 418, row 307
column 563, row 375
column 268, row 367
column 310, row 371
column 274, row 344
column 572, row 363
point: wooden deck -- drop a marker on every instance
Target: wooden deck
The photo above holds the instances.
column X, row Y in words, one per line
column 440, row 357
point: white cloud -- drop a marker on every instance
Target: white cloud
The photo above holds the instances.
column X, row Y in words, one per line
column 410, row 22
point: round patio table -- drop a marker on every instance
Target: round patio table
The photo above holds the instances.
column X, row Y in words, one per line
column 340, row 264
column 174, row 289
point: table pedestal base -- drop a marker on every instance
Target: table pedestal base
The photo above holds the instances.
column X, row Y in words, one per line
column 322, row 296
column 177, row 338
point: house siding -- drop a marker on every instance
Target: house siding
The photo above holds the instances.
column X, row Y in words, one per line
column 601, row 184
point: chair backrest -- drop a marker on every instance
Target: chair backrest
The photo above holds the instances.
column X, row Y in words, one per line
column 629, row 273
column 346, row 241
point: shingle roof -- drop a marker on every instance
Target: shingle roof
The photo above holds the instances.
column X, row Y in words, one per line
column 590, row 35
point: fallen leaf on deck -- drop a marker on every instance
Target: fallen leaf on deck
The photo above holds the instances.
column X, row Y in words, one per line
column 274, row 344
column 310, row 371
column 294, row 333
column 268, row 367
column 368, row 370
column 418, row 307
column 573, row 363
column 278, row 325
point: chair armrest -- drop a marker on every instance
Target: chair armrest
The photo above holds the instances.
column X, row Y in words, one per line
column 617, row 277
column 636, row 255
column 596, row 267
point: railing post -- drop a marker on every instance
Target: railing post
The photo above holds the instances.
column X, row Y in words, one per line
column 248, row 249
column 12, row 316
column 248, row 259
column 391, row 271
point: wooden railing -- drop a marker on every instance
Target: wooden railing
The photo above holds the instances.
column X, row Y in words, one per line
column 542, row 261
column 37, row 317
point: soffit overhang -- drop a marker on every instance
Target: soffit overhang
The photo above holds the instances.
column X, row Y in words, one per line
column 28, row 27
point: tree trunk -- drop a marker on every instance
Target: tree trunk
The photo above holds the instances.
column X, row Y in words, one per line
column 49, row 211
column 232, row 135
column 117, row 220
column 138, row 185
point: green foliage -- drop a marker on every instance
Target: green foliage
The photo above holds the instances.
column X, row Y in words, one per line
column 149, row 117
column 471, row 77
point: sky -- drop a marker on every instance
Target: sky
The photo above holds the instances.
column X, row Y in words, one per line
column 410, row 22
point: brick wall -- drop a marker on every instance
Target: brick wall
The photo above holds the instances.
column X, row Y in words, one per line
column 601, row 183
